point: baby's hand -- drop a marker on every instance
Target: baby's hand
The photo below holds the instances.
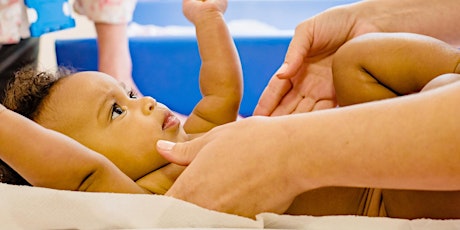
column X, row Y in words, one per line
column 194, row 9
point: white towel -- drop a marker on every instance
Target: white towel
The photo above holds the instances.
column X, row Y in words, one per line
column 354, row 223
column 24, row 207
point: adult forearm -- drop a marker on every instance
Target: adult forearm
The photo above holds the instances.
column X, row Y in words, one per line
column 113, row 50
column 46, row 158
column 436, row 18
column 33, row 151
column 409, row 142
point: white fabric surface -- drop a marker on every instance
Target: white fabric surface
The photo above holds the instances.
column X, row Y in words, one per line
column 23, row 207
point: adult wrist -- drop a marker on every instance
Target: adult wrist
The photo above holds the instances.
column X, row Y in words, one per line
column 433, row 18
column 305, row 169
column 377, row 14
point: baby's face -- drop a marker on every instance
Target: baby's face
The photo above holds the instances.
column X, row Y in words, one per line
column 96, row 110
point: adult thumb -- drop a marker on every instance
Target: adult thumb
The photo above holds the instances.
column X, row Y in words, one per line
column 178, row 153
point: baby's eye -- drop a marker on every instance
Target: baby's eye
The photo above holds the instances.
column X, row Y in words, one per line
column 132, row 94
column 116, row 111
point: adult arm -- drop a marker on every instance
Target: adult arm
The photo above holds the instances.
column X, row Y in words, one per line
column 48, row 159
column 304, row 81
column 114, row 55
column 260, row 164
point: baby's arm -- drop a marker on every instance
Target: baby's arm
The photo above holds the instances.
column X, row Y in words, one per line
column 49, row 159
column 220, row 74
column 383, row 65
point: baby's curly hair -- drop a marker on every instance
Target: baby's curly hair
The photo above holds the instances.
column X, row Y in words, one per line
column 24, row 95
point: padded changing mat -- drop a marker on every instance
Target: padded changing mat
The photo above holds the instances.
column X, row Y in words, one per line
column 24, row 207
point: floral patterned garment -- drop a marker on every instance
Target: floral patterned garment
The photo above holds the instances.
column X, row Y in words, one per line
column 14, row 24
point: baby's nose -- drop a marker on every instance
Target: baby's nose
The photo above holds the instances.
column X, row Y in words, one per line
column 148, row 104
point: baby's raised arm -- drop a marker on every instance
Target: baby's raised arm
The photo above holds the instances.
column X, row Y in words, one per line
column 49, row 159
column 220, row 74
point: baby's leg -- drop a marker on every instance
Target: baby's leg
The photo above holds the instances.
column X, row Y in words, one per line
column 353, row 81
column 384, row 65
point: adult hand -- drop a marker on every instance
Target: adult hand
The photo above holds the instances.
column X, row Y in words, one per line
column 303, row 83
column 233, row 175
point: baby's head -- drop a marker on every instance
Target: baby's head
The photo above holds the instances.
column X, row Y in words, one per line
column 99, row 112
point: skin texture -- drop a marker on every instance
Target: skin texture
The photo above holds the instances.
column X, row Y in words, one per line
column 398, row 154
column 377, row 66
column 304, row 83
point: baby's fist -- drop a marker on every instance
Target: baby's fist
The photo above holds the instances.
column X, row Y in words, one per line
column 193, row 9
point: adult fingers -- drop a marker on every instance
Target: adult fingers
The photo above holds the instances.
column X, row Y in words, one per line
column 308, row 105
column 289, row 103
column 272, row 95
column 279, row 86
column 297, row 51
column 178, row 153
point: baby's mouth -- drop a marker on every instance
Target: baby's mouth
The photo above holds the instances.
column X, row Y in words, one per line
column 169, row 121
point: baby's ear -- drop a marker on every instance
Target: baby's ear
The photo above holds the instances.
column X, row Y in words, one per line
column 457, row 70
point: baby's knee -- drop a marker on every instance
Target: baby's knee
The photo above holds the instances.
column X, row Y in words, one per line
column 441, row 80
column 353, row 58
column 346, row 67
column 347, row 59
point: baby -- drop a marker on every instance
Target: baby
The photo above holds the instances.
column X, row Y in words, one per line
column 100, row 113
